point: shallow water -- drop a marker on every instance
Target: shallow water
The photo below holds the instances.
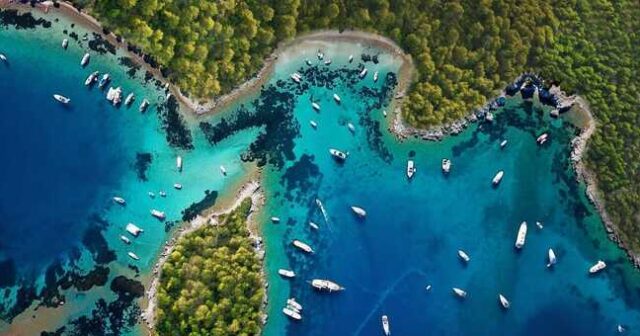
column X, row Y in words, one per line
column 64, row 165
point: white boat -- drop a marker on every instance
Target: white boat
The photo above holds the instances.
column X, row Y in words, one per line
column 385, row 325
column 359, row 211
column 459, row 292
column 223, row 171
column 114, row 95
column 384, row 113
column 351, row 128
column 162, row 193
column 503, row 301
column 446, row 166
column 597, row 267
column 286, row 273
column 314, row 225
column 296, row 77
column 119, row 200
column 503, row 143
column 552, row 258
column 179, row 163
column 428, row 288
column 338, row 155
column 496, row 179
column 294, row 304
column 85, row 59
column 522, row 235
column 620, row 329
column 308, row 62
column 177, row 186
column 93, row 77
column 144, row 105
column 464, row 256
column 539, row 225
column 158, row 214
column 375, row 76
column 292, row 313
column 350, row 58
column 65, row 43
column 542, row 138
column 363, row 73
column 327, row 62
column 313, row 124
column 3, row 57
column 302, row 246
column 275, row 219
column 411, row 168
column 315, row 106
column 151, row 194
column 130, row 98
column 320, row 55
column 133, row 229
column 104, row 80
column 125, row 239
column 328, row 285
column 133, row 256
column 337, row 98
column 62, row 99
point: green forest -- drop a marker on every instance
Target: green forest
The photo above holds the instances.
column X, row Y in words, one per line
column 464, row 52
column 211, row 283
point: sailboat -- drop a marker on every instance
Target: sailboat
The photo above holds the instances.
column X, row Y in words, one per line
column 552, row 258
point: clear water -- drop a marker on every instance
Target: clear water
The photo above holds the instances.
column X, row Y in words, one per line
column 64, row 165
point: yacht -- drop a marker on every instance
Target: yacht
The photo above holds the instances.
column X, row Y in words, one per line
column 104, row 80
column 93, row 77
column 158, row 214
column 542, row 139
column 337, row 98
column 503, row 301
column 144, row 105
column 446, row 166
column 385, row 325
column 503, row 144
column 179, row 163
column 292, row 313
column 313, row 124
column 133, row 229
column 463, row 256
column 375, row 76
column 302, row 246
column 350, row 58
column 411, row 168
column 85, row 60
column 296, row 77
column 294, row 304
column 522, row 235
column 130, row 98
column 351, row 128
column 223, row 170
column 177, row 186
column 114, row 95
column 338, row 155
column 496, row 179
column 327, row 62
column 119, row 200
column 125, row 239
column 328, row 285
column 162, row 193
column 62, row 99
column 359, row 211
column 65, row 43
column 275, row 219
column 363, row 73
column 286, row 273
column 314, row 225
column 460, row 293
column 315, row 106
column 133, row 256
column 597, row 267
column 552, row 258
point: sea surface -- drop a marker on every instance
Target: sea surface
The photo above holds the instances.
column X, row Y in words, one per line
column 59, row 228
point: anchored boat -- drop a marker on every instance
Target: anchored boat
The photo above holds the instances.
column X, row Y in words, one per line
column 158, row 214
column 179, row 163
column 85, row 60
column 302, row 246
column 133, row 256
column 375, row 76
column 133, row 229
column 463, row 256
column 330, row 286
column 460, row 293
column 411, row 169
column 337, row 98
column 315, row 106
column 522, row 235
column 144, row 105
column 338, row 155
column 446, row 166
column 597, row 267
column 360, row 212
column 119, row 200
column 385, row 325
column 503, row 301
column 93, row 77
column 286, row 273
column 552, row 258
column 496, row 179
column 62, row 99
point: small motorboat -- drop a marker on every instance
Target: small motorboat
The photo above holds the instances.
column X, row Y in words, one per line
column 308, row 62
column 320, row 55
column 144, row 105
column 446, row 166
column 151, row 194
column 302, row 246
column 296, row 77
column 177, row 186
column 93, row 77
column 363, row 73
column 351, row 128
column 104, row 80
column 179, row 163
column 119, row 200
column 327, row 62
column 411, row 169
column 85, row 60
column 158, row 214
column 291, row 302
column 133, row 256
column 375, row 76
column 539, row 225
column 620, row 329
column 327, row 285
column 384, row 113
column 597, row 267
column 315, row 106
column 358, row 211
column 133, row 229
column 162, row 193
column 460, row 293
column 337, row 98
column 130, row 98
column 503, row 144
column 338, row 155
column 125, row 239
column 496, row 179
column 3, row 58
column 313, row 124
column 464, row 256
column 62, row 99
column 292, row 313
column 275, row 219
column 503, row 301
column 428, row 288
column 385, row 325
column 223, row 171
column 350, row 58
column 314, row 225
column 542, row 138
column 552, row 258
column 522, row 235
column 286, row 273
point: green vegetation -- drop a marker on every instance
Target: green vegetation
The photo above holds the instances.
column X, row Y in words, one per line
column 464, row 51
column 211, row 282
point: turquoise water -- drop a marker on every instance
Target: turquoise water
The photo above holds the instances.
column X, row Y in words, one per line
column 84, row 155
